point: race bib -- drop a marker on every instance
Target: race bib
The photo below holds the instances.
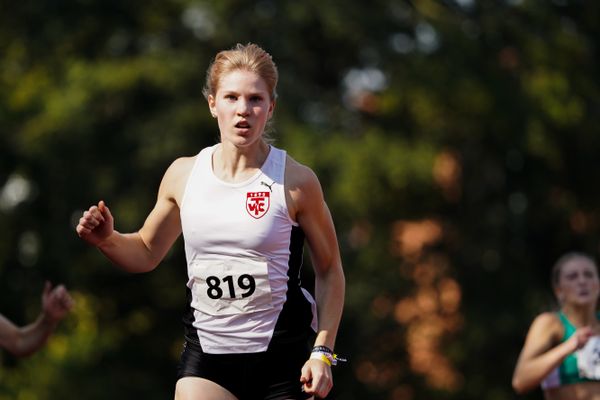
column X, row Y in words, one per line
column 588, row 359
column 230, row 286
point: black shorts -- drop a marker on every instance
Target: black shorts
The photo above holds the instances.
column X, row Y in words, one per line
column 270, row 375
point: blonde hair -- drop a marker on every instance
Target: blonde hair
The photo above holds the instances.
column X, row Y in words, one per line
column 249, row 57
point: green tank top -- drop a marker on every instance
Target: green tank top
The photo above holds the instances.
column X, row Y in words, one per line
column 569, row 373
column 568, row 370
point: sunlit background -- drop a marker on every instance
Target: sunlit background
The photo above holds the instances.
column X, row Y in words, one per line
column 456, row 142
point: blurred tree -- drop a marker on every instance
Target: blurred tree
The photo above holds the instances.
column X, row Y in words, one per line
column 455, row 140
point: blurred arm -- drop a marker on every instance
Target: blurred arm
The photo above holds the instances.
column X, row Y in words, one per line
column 540, row 355
column 24, row 341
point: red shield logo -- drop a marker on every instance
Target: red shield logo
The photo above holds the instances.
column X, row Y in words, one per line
column 258, row 203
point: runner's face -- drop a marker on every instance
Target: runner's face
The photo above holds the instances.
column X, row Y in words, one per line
column 243, row 106
column 578, row 283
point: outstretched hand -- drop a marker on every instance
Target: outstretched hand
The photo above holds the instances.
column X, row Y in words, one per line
column 56, row 302
column 96, row 224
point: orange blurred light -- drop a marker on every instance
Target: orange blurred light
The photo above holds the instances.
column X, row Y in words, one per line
column 412, row 237
column 447, row 173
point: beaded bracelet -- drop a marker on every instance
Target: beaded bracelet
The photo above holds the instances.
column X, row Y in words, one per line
column 326, row 355
column 323, row 349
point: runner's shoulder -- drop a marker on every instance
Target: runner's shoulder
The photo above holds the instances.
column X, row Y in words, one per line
column 548, row 324
column 300, row 176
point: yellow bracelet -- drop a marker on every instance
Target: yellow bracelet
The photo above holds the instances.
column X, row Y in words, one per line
column 317, row 355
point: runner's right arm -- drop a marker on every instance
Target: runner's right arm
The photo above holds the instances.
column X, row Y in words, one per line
column 143, row 250
column 540, row 356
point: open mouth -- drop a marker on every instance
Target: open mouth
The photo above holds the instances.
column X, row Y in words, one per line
column 242, row 125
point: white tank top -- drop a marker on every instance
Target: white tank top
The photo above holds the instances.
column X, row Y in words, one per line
column 241, row 249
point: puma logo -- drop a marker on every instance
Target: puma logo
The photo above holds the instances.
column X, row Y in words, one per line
column 267, row 185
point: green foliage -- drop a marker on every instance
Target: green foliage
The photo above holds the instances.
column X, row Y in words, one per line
column 477, row 118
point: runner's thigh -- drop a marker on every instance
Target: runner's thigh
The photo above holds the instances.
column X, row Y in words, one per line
column 192, row 388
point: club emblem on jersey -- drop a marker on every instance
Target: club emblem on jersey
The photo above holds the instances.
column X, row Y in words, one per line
column 258, row 203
